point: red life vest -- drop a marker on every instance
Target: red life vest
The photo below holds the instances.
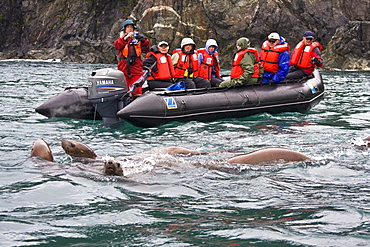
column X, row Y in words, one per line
column 237, row 71
column 302, row 55
column 183, row 64
column 270, row 56
column 176, row 50
column 165, row 68
column 209, row 62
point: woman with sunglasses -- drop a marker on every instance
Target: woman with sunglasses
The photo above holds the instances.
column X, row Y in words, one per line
column 305, row 57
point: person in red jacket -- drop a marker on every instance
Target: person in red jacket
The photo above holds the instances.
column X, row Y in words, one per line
column 163, row 73
column 130, row 46
column 305, row 57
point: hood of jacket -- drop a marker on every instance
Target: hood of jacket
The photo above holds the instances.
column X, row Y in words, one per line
column 209, row 43
column 243, row 42
column 154, row 49
column 187, row 41
column 282, row 40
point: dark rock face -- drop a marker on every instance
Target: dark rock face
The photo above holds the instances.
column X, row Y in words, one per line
column 76, row 31
column 84, row 30
column 349, row 48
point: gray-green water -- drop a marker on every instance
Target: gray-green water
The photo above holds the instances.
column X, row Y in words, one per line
column 177, row 201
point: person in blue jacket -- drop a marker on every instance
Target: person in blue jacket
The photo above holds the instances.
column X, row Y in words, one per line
column 209, row 63
column 275, row 56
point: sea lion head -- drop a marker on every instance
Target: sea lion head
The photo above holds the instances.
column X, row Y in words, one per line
column 77, row 149
column 112, row 167
column 41, row 149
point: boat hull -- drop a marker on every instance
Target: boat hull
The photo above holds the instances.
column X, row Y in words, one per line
column 71, row 103
column 155, row 109
column 158, row 108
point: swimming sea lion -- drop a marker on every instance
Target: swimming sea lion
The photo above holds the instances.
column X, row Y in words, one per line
column 112, row 167
column 172, row 150
column 181, row 150
column 78, row 149
column 41, row 149
column 262, row 156
column 269, row 156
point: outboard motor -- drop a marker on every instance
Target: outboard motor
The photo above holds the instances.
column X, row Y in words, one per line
column 105, row 90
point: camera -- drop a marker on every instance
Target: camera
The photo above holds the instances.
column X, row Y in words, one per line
column 134, row 39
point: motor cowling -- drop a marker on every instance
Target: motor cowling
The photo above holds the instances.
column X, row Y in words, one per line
column 106, row 84
column 105, row 90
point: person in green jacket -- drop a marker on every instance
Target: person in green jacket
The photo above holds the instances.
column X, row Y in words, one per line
column 246, row 68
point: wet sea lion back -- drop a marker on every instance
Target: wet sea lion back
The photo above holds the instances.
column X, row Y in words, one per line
column 269, row 156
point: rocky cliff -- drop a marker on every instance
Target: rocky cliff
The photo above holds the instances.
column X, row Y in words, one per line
column 84, row 30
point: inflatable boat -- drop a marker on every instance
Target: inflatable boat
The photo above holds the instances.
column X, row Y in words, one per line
column 107, row 97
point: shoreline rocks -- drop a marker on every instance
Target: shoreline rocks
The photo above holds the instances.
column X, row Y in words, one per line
column 84, row 31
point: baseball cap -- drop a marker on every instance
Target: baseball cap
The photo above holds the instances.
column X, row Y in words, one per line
column 308, row 35
column 274, row 36
column 162, row 43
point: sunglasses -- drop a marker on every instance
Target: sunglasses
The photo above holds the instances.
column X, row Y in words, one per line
column 272, row 40
column 309, row 38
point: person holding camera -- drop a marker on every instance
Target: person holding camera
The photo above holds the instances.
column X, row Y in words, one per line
column 185, row 62
column 130, row 45
column 305, row 57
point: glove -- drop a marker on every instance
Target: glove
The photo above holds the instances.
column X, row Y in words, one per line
column 314, row 60
column 140, row 37
column 237, row 82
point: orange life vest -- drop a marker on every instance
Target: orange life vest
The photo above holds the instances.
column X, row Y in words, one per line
column 209, row 62
column 302, row 55
column 237, row 71
column 183, row 64
column 165, row 68
column 270, row 56
column 136, row 46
